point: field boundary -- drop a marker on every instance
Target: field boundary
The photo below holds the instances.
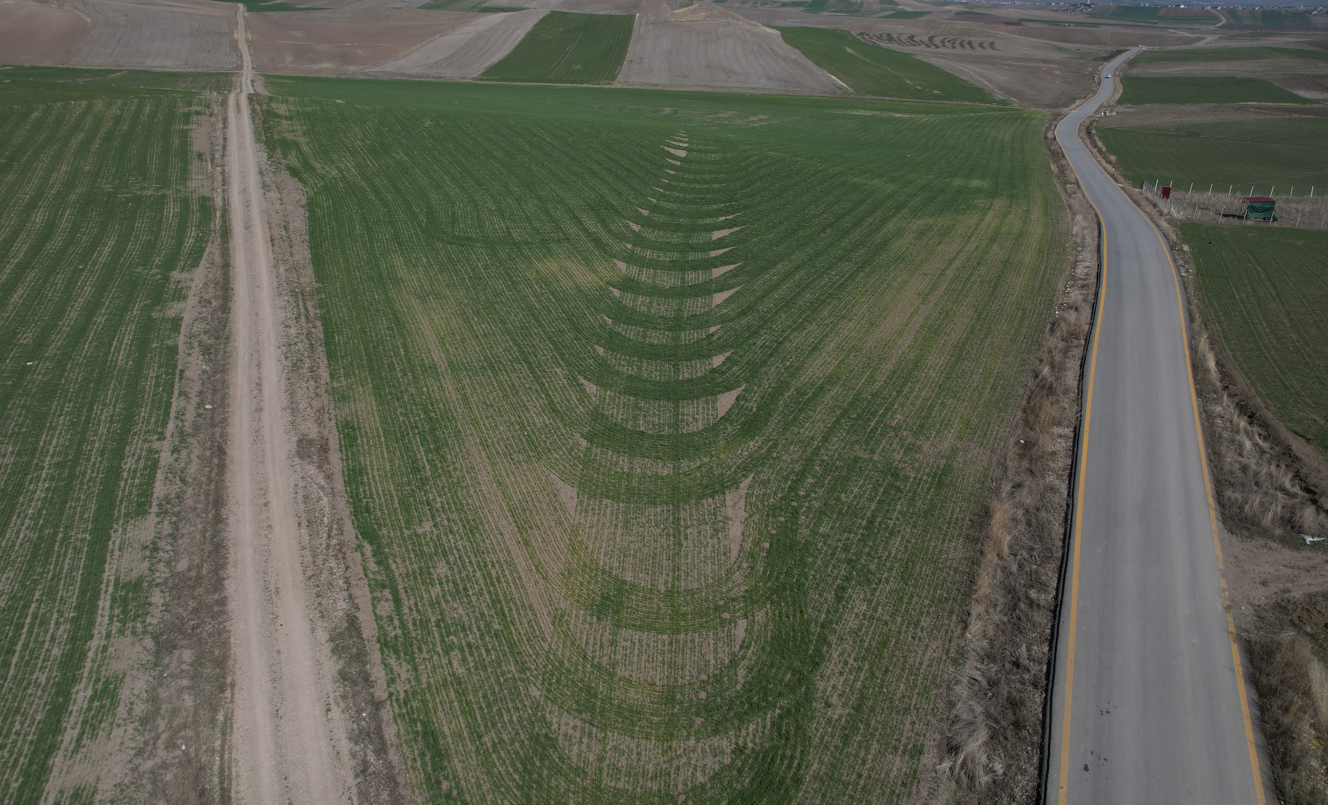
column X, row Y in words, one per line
column 188, row 510
column 539, row 57
column 300, row 670
column 1013, row 625
column 344, row 597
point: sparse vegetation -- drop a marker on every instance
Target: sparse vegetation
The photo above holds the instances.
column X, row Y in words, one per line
column 872, row 70
column 101, row 221
column 566, row 48
column 1141, row 90
column 1287, row 653
column 1271, row 18
column 669, row 419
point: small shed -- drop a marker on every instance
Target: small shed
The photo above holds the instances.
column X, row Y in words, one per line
column 1261, row 207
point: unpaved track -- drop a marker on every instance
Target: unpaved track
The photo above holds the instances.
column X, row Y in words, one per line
column 288, row 742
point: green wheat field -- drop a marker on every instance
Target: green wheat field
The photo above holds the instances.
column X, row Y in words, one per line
column 104, row 214
column 668, row 420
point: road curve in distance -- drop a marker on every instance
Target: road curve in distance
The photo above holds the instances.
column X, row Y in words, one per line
column 1149, row 699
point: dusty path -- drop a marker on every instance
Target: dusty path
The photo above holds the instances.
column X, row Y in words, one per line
column 288, row 742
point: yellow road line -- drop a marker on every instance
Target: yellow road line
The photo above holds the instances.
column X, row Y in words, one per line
column 1217, row 544
column 1212, row 517
column 1079, row 498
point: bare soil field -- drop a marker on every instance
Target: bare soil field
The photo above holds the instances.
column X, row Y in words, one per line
column 1167, row 114
column 1104, row 37
column 464, row 52
column 1044, row 75
column 1041, row 83
column 1271, row 69
column 186, row 35
column 1045, row 68
column 706, row 46
column 597, row 6
column 932, row 42
column 703, row 46
column 35, row 33
column 337, row 41
column 182, row 36
column 1306, row 86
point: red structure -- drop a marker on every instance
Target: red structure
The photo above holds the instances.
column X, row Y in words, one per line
column 1166, row 192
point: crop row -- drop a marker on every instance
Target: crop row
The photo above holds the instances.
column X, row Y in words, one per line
column 650, row 519
column 1265, row 291
column 98, row 224
column 568, row 48
column 1144, row 90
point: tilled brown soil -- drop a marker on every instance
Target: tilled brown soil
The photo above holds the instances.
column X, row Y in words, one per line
column 1262, row 68
column 336, row 41
column 1314, row 87
column 186, row 35
column 465, row 51
column 36, row 33
column 1170, row 115
column 719, row 53
column 181, row 35
column 1036, row 83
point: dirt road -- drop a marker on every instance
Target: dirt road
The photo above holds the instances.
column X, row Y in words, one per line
column 288, row 736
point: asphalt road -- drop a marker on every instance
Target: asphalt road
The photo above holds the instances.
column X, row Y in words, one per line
column 1149, row 696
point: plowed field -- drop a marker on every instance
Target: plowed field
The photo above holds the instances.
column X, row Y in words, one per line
column 101, row 223
column 719, row 53
column 467, row 51
column 668, row 419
